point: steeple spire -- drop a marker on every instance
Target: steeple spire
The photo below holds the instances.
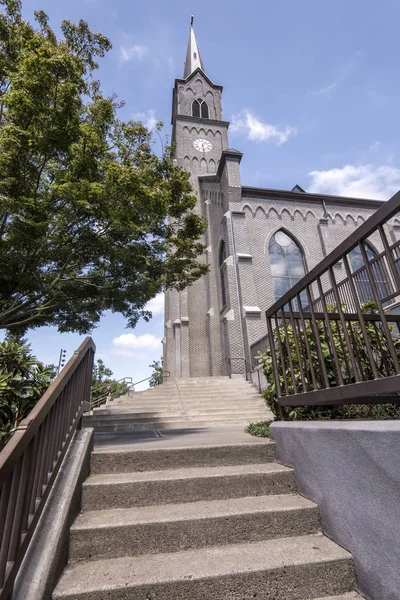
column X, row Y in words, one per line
column 193, row 57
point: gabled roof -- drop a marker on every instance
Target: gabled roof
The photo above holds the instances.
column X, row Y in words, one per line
column 297, row 188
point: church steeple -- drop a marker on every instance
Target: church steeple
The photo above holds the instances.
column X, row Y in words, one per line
column 193, row 56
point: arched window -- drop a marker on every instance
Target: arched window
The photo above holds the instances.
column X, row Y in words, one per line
column 361, row 278
column 287, row 263
column 196, row 108
column 200, row 109
column 222, row 271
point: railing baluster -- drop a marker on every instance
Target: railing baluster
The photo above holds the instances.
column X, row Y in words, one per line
column 380, row 310
column 274, row 359
column 296, row 342
column 282, row 356
column 9, row 521
column 289, row 351
column 307, row 344
column 314, row 325
column 343, row 322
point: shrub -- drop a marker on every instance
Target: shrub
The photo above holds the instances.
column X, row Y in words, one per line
column 23, row 380
column 380, row 351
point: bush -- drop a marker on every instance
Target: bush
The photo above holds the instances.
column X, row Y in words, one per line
column 23, row 381
column 259, row 429
column 380, row 350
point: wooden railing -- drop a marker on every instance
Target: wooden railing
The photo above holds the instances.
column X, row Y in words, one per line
column 31, row 460
column 333, row 338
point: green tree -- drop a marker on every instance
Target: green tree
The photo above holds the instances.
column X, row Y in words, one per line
column 157, row 376
column 103, row 382
column 91, row 219
column 23, row 380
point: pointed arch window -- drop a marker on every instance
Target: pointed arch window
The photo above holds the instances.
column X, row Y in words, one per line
column 200, row 109
column 287, row 263
column 222, row 271
column 361, row 277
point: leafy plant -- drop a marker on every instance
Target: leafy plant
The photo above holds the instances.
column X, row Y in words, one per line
column 157, row 376
column 103, row 383
column 303, row 361
column 91, row 218
column 23, row 380
column 260, row 429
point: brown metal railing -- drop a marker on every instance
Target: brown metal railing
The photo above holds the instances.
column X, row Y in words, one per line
column 31, row 460
column 333, row 338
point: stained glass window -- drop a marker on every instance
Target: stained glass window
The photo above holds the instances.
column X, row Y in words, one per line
column 287, row 263
column 222, row 271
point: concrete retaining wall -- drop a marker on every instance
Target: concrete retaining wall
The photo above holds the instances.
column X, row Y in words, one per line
column 352, row 470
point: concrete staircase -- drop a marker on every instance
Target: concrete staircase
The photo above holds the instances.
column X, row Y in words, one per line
column 192, row 402
column 200, row 520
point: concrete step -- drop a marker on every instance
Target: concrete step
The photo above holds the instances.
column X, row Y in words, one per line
column 176, row 527
column 139, row 407
column 200, row 403
column 191, row 395
column 125, row 490
column 140, row 415
column 291, row 568
column 156, row 459
column 125, row 425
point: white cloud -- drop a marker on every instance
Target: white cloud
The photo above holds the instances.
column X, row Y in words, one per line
column 156, row 305
column 246, row 122
column 137, row 346
column 325, row 91
column 133, row 52
column 362, row 181
column 147, row 118
column 344, row 72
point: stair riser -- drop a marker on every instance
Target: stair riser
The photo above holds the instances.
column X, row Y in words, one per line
column 149, row 417
column 184, row 396
column 150, row 426
column 154, row 538
column 158, row 460
column 128, row 410
column 197, row 402
column 289, row 583
column 146, row 493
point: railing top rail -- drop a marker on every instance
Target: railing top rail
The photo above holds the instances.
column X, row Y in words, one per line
column 30, row 425
column 382, row 215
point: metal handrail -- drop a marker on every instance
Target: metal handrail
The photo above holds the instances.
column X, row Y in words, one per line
column 96, row 402
column 30, row 461
column 111, row 396
column 229, row 359
column 326, row 346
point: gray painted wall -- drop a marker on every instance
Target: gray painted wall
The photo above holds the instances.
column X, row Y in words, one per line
column 352, row 470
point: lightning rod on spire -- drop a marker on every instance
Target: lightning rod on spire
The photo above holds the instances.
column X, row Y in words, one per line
column 191, row 21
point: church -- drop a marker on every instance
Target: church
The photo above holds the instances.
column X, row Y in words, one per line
column 259, row 241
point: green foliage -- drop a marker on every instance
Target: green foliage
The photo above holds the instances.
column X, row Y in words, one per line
column 260, row 429
column 23, row 380
column 91, row 219
column 380, row 351
column 157, row 376
column 102, row 382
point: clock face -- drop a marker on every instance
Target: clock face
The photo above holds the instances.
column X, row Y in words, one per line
column 202, row 145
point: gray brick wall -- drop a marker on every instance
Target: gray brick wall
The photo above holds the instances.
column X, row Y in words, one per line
column 199, row 331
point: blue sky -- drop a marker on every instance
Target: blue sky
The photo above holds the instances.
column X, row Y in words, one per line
column 312, row 90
